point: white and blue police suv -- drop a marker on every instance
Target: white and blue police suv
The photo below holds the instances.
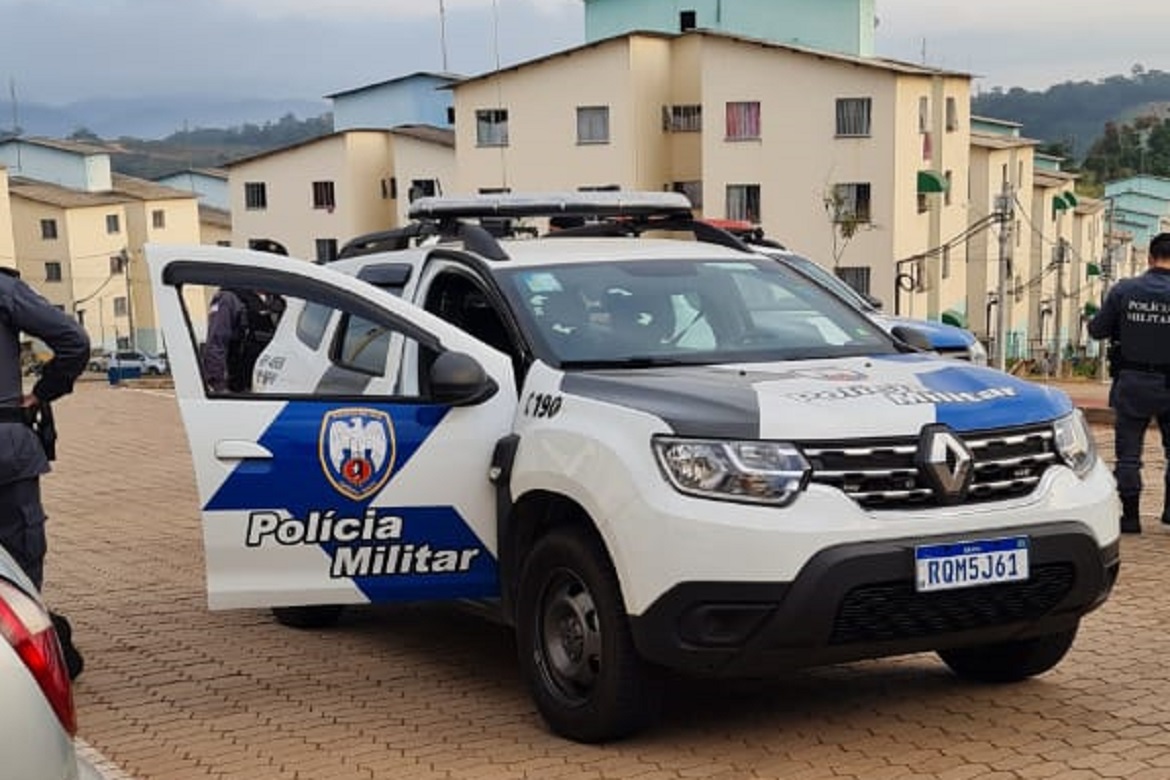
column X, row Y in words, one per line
column 647, row 452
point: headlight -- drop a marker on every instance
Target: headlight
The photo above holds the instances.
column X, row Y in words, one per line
column 761, row 472
column 1074, row 442
column 977, row 353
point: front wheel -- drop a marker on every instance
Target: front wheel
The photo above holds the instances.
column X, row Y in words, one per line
column 316, row 616
column 1006, row 662
column 576, row 650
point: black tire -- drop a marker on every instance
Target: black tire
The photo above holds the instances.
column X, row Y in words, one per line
column 317, row 616
column 1008, row 662
column 574, row 640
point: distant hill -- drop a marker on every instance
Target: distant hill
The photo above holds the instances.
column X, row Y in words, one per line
column 1075, row 113
column 149, row 117
column 203, row 147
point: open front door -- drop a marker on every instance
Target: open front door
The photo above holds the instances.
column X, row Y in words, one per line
column 355, row 468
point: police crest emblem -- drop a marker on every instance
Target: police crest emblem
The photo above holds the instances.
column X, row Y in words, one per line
column 357, row 450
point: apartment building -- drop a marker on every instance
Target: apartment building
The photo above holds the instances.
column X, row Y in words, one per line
column 78, row 232
column 857, row 162
column 210, row 185
column 7, row 246
column 314, row 196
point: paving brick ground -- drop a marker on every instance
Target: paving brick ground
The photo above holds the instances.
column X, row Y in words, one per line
column 173, row 691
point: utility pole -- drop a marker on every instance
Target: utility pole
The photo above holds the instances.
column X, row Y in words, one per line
column 1058, row 259
column 129, row 298
column 1005, row 216
column 443, row 33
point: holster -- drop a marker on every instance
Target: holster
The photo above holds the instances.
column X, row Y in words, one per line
column 45, row 428
column 40, row 419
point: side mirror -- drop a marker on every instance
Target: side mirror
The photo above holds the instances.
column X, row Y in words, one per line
column 458, row 379
column 873, row 301
column 913, row 337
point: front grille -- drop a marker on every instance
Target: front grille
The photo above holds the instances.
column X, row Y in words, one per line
column 893, row 611
column 883, row 474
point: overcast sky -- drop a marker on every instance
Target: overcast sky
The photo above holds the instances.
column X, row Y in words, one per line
column 58, row 51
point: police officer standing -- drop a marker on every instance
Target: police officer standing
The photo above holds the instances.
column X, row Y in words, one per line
column 22, row 455
column 1135, row 317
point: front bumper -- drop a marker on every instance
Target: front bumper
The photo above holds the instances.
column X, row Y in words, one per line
column 857, row 600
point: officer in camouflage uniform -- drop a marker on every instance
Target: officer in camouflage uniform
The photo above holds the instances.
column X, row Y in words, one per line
column 1135, row 317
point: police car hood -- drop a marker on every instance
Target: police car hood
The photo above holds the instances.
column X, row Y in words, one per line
column 825, row 399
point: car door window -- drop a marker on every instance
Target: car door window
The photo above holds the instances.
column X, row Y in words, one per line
column 306, row 346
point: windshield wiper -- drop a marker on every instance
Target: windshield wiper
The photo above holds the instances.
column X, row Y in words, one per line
column 638, row 361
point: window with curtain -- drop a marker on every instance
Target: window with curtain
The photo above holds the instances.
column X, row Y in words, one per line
column 743, row 202
column 593, row 124
column 491, row 127
column 854, row 116
column 743, row 121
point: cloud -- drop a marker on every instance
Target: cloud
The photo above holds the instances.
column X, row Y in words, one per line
column 401, row 9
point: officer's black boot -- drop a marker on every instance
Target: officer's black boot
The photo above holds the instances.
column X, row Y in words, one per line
column 1130, row 519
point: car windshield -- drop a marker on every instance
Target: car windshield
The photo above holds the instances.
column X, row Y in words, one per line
column 665, row 312
column 836, row 285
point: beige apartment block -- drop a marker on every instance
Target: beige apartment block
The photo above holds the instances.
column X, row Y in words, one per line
column 1001, row 169
column 314, row 196
column 7, row 246
column 215, row 226
column 859, row 163
column 84, row 251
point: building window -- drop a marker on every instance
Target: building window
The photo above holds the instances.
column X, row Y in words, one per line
column 854, row 116
column 113, row 223
column 120, row 306
column 117, row 264
column 692, row 189
column 687, row 20
column 592, row 124
column 450, row 115
column 423, row 188
column 923, row 114
column 856, row 277
column 326, row 250
column 494, row 190
column 946, row 262
column 491, row 127
column 390, row 188
column 223, row 242
column 682, row 119
column 743, row 121
column 323, row 195
column 49, row 229
column 851, row 202
column 255, row 195
column 952, row 115
column 743, row 202
column 923, row 204
column 158, row 218
column 52, row 271
column 950, row 177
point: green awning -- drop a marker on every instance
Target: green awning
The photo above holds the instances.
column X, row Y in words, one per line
column 931, row 181
column 1063, row 202
column 1092, row 269
column 956, row 318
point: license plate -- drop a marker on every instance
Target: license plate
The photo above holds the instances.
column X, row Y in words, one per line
column 969, row 564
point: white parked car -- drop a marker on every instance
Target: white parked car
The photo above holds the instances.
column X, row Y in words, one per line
column 644, row 452
column 145, row 363
column 37, row 718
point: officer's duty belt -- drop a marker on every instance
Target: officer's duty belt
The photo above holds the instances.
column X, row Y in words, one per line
column 12, row 414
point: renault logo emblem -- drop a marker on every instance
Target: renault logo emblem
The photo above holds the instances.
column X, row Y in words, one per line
column 946, row 462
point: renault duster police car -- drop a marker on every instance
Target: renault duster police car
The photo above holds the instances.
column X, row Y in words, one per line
column 646, row 452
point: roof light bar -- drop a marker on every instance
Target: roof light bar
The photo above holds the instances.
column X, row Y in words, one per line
column 585, row 204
